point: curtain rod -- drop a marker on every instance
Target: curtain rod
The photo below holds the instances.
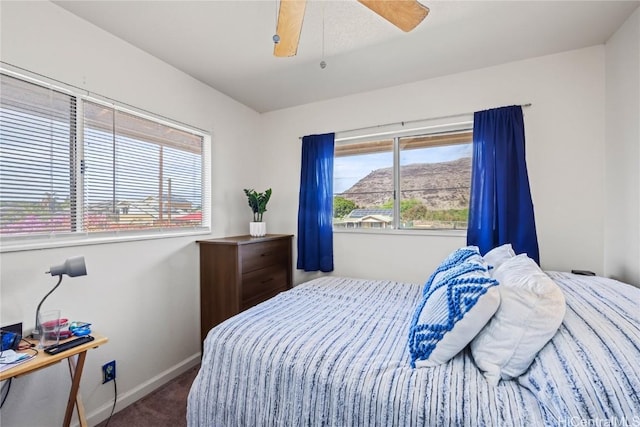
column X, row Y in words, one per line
column 451, row 116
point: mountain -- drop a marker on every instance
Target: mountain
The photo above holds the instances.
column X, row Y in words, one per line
column 439, row 186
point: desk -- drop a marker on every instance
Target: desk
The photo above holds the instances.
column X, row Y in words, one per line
column 43, row 360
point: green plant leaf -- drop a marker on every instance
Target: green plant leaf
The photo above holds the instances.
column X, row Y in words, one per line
column 257, row 202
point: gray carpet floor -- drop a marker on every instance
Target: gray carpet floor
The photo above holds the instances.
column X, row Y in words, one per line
column 166, row 406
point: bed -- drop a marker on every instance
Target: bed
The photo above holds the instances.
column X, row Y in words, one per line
column 333, row 352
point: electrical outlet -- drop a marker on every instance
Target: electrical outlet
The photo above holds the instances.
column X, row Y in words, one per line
column 108, row 371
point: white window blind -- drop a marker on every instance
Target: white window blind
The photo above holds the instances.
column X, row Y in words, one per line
column 138, row 173
column 37, row 159
column 70, row 165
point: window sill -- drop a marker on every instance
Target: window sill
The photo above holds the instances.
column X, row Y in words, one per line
column 403, row 232
column 83, row 239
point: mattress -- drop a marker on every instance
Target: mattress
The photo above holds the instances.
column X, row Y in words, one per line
column 333, row 352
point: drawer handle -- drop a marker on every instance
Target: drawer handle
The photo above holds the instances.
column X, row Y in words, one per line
column 267, row 280
column 266, row 254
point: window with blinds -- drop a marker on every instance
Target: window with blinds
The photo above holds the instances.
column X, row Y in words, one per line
column 74, row 165
column 139, row 174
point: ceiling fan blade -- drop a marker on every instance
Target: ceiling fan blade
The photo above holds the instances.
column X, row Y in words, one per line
column 404, row 14
column 290, row 18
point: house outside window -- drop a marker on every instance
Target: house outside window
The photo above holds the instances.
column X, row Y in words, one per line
column 412, row 179
column 74, row 167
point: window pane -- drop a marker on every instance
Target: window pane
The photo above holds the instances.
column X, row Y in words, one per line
column 363, row 185
column 37, row 158
column 139, row 174
column 435, row 178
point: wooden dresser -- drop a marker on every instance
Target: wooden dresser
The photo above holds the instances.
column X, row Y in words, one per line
column 239, row 272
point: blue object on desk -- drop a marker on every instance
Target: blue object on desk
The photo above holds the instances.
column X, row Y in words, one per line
column 80, row 329
column 10, row 340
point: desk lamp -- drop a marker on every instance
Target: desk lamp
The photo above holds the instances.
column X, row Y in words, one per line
column 72, row 267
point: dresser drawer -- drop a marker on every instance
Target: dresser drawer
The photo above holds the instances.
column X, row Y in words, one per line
column 260, row 255
column 264, row 282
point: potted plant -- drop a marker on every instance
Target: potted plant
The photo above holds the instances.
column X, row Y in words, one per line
column 258, row 204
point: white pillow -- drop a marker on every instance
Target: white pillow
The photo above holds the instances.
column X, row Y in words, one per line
column 497, row 256
column 531, row 309
column 451, row 313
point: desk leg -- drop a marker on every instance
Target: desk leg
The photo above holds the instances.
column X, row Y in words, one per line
column 79, row 405
column 75, row 385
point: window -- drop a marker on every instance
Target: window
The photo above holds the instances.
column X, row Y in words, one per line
column 71, row 164
column 406, row 179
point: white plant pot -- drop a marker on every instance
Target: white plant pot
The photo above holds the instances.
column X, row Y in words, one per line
column 257, row 229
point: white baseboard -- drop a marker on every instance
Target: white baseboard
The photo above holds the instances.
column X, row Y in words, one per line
column 142, row 390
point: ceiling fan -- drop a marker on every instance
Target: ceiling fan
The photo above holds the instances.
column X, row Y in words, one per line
column 404, row 14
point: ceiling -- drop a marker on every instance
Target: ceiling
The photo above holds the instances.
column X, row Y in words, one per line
column 228, row 44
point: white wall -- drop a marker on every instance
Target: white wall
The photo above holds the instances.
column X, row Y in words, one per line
column 143, row 295
column 622, row 153
column 564, row 132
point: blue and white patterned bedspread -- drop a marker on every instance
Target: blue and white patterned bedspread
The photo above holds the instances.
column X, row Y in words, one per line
column 333, row 352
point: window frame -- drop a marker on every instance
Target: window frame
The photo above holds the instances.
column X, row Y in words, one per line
column 394, row 132
column 11, row 243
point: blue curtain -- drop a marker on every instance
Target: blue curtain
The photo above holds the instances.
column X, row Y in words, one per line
column 501, row 209
column 315, row 219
